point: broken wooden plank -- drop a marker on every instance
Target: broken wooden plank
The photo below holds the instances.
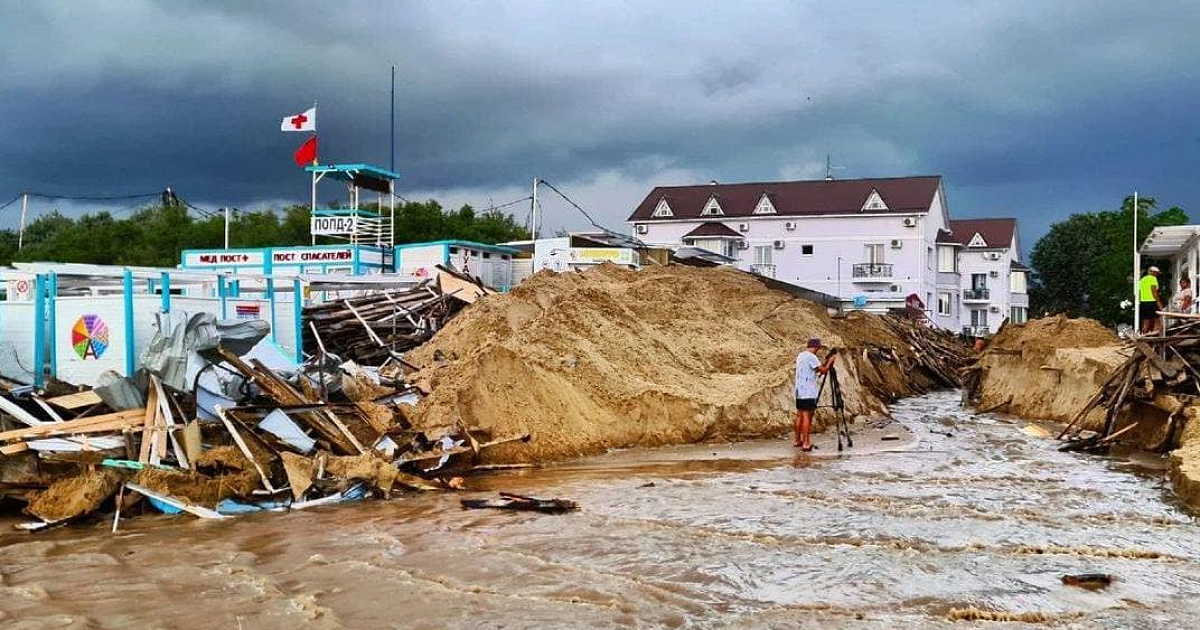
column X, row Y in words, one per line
column 78, row 400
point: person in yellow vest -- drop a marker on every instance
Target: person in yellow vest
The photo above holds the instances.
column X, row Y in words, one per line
column 1150, row 302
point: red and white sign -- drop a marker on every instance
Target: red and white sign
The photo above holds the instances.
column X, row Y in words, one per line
column 304, row 121
column 222, row 259
column 20, row 289
column 303, row 256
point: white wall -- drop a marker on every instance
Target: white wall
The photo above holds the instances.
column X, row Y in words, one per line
column 831, row 238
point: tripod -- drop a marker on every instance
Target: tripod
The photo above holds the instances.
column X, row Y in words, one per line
column 838, row 404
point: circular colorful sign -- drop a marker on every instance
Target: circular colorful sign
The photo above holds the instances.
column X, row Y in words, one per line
column 89, row 337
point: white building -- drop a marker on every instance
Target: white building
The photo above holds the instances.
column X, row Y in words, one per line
column 1177, row 248
column 994, row 281
column 874, row 243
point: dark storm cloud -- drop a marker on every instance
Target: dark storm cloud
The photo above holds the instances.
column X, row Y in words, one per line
column 1030, row 109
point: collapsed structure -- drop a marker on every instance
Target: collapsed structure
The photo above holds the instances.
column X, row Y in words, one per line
column 566, row 364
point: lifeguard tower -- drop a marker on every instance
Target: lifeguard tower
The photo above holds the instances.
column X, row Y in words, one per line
column 353, row 223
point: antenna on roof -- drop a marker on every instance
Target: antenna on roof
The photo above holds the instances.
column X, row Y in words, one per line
column 830, row 168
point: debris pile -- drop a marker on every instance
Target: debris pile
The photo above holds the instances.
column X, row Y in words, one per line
column 226, row 424
column 374, row 327
column 1155, row 388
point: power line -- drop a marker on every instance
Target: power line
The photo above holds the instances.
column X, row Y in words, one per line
column 589, row 217
column 92, row 197
column 493, row 208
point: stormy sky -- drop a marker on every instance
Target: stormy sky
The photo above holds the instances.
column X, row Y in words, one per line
column 1031, row 109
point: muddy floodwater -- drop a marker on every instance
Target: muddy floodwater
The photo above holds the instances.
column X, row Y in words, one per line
column 972, row 514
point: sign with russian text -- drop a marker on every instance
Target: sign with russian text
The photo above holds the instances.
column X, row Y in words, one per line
column 219, row 258
column 307, row 256
column 333, row 225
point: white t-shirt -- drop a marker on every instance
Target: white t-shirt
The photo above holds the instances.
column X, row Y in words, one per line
column 806, row 374
column 1177, row 303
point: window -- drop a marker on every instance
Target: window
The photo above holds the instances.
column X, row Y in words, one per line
column 979, row 318
column 978, row 281
column 1018, row 315
column 874, row 202
column 947, row 259
column 806, row 250
column 762, row 254
column 453, row 250
column 712, row 208
column 663, row 209
column 873, row 253
column 486, row 255
column 764, row 205
column 943, row 304
column 1017, row 282
column 928, row 257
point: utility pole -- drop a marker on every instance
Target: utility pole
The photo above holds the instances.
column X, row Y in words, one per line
column 1137, row 270
column 534, row 207
column 228, row 218
column 24, row 210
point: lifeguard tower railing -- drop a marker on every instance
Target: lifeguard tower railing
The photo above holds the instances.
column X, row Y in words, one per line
column 353, row 222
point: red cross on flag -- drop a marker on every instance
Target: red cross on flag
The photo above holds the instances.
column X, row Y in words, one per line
column 304, row 121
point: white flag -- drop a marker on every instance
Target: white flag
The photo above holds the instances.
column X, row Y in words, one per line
column 306, row 121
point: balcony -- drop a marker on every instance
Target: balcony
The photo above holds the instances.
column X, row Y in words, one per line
column 871, row 272
column 976, row 331
column 977, row 295
column 763, row 269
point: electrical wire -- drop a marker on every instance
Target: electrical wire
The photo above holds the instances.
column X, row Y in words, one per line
column 638, row 241
column 92, row 198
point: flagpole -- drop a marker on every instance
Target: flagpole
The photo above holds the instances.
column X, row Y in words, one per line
column 392, row 166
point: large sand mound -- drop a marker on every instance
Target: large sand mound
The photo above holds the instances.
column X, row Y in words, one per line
column 1047, row 368
column 613, row 358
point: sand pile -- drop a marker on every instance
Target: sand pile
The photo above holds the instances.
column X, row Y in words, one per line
column 614, row 358
column 1047, row 368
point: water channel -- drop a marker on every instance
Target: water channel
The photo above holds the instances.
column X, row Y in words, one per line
column 973, row 513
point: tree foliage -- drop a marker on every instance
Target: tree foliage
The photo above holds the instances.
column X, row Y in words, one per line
column 155, row 235
column 1082, row 266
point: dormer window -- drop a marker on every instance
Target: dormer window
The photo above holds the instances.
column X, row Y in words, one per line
column 764, row 205
column 874, row 203
column 977, row 241
column 663, row 209
column 712, row 208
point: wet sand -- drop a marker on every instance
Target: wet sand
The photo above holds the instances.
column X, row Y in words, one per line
column 964, row 512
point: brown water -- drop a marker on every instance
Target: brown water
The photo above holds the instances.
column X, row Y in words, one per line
column 741, row 536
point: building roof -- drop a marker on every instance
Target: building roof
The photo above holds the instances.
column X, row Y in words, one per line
column 994, row 232
column 944, row 237
column 900, row 195
column 1016, row 265
column 712, row 229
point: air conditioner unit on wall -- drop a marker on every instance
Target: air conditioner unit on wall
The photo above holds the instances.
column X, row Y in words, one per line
column 743, row 227
column 991, row 255
column 910, row 222
column 642, row 229
column 789, row 225
column 994, row 274
column 897, row 243
column 895, row 288
column 995, row 309
column 778, row 244
column 743, row 245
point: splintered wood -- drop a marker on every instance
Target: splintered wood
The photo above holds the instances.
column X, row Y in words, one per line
column 370, row 328
column 1161, row 372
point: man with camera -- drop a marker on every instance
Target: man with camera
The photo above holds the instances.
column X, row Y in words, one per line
column 808, row 366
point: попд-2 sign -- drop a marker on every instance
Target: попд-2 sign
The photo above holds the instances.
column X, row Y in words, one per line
column 333, row 225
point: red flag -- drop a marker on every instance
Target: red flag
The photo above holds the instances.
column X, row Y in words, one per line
column 307, row 153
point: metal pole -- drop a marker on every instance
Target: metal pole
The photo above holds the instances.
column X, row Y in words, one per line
column 393, row 162
column 227, row 217
column 535, row 209
column 1137, row 269
column 839, row 283
column 21, row 233
column 312, row 207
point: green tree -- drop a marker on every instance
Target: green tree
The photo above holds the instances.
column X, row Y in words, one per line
column 155, row 235
column 1082, row 265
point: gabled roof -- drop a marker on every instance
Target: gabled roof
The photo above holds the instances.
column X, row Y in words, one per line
column 997, row 233
column 712, row 229
column 902, row 195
